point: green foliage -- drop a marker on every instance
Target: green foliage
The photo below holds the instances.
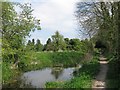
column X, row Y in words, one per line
column 38, row 46
column 36, row 60
column 75, row 44
column 9, row 74
column 113, row 76
column 58, row 41
column 93, row 67
column 34, row 47
column 67, row 58
column 103, row 19
column 102, row 22
column 48, row 46
column 15, row 27
column 66, row 44
column 58, row 84
column 83, row 81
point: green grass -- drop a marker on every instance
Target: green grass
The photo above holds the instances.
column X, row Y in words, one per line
column 82, row 80
column 48, row 59
column 67, row 58
column 40, row 58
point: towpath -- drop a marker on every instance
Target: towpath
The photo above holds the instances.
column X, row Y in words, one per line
column 99, row 83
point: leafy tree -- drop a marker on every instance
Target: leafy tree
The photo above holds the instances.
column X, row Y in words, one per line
column 48, row 46
column 75, row 44
column 15, row 27
column 67, row 43
column 58, row 41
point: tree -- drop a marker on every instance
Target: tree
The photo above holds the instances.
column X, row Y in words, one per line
column 49, row 41
column 49, row 45
column 29, row 44
column 67, row 43
column 33, row 42
column 33, row 45
column 15, row 27
column 99, row 19
column 107, row 19
column 75, row 44
column 38, row 45
column 58, row 41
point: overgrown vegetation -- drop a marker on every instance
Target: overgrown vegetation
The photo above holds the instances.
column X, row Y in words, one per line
column 113, row 76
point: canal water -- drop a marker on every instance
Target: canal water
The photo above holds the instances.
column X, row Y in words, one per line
column 38, row 78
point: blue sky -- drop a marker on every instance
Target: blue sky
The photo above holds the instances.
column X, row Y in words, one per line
column 54, row 15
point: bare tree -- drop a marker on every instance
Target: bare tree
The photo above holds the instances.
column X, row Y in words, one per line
column 99, row 19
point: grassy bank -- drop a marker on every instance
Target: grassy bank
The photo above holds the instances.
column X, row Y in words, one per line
column 82, row 80
column 38, row 60
column 113, row 76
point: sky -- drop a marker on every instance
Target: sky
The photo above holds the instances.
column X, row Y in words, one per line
column 54, row 15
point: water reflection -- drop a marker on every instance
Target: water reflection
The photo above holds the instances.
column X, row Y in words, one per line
column 57, row 71
column 38, row 78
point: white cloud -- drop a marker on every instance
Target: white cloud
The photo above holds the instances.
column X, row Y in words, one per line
column 55, row 14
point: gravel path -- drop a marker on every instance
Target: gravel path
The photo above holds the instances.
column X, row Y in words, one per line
column 99, row 82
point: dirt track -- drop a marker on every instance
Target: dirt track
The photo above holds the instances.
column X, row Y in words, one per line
column 99, row 82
